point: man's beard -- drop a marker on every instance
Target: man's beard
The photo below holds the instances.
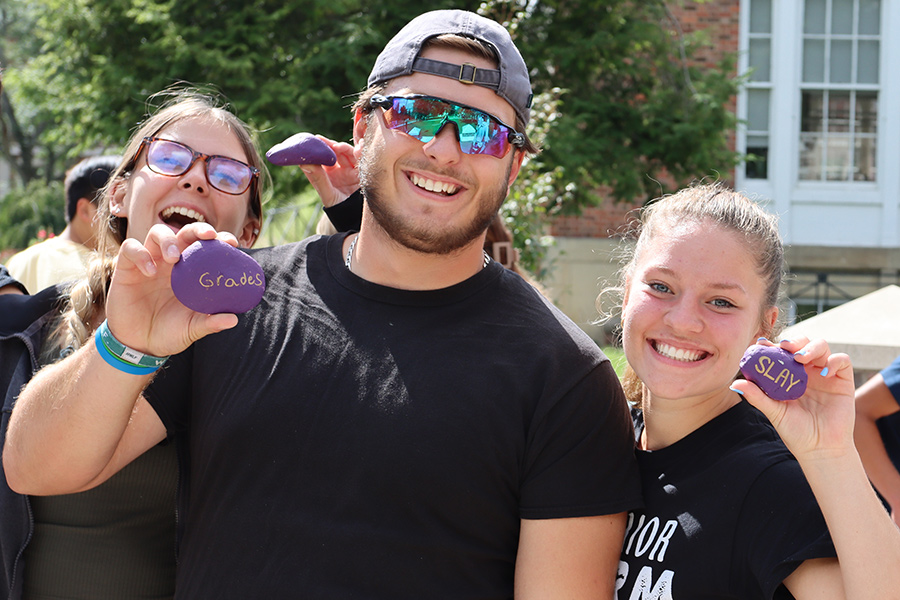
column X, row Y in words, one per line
column 430, row 240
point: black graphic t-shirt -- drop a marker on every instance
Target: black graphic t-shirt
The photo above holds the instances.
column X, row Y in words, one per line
column 728, row 514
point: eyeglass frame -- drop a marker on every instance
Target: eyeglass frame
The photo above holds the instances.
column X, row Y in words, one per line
column 146, row 141
column 514, row 137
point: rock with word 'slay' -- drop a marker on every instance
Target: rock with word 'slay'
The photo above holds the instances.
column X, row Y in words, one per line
column 775, row 371
column 301, row 149
column 212, row 277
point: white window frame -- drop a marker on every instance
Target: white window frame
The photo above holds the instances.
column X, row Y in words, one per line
column 782, row 189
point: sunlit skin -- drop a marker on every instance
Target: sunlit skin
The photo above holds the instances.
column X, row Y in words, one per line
column 687, row 322
column 147, row 194
column 400, row 165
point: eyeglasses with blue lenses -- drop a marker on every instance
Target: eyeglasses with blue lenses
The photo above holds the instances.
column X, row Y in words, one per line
column 172, row 159
column 423, row 117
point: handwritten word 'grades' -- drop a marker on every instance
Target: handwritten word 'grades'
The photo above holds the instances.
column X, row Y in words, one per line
column 207, row 280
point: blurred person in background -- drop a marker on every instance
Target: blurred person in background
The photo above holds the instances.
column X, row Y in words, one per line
column 65, row 257
column 877, row 433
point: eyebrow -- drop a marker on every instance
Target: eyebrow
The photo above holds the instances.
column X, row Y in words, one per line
column 715, row 285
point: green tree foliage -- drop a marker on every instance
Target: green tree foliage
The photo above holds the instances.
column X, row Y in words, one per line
column 284, row 66
column 29, row 211
column 19, row 129
column 633, row 107
column 619, row 103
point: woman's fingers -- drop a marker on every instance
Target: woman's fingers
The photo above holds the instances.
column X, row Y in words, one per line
column 816, row 355
column 132, row 252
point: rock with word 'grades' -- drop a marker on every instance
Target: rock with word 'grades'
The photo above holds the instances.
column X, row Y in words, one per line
column 301, row 149
column 775, row 371
column 212, row 277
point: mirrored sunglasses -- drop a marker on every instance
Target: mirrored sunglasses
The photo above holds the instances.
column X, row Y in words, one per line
column 422, row 117
column 172, row 159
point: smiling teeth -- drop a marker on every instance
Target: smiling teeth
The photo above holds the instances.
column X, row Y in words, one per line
column 434, row 186
column 678, row 353
column 187, row 212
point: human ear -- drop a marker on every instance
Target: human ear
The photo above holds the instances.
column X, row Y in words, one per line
column 117, row 198
column 360, row 125
column 518, row 157
column 626, row 290
column 249, row 233
column 85, row 210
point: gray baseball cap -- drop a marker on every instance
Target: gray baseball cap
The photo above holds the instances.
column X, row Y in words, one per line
column 401, row 56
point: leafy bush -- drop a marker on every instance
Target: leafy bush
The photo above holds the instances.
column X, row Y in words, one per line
column 26, row 212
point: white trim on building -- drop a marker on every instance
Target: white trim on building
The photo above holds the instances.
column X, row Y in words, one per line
column 846, row 213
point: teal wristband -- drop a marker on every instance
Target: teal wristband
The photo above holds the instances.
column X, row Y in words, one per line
column 120, row 356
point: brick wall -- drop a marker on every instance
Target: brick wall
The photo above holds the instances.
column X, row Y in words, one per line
column 720, row 18
column 595, row 221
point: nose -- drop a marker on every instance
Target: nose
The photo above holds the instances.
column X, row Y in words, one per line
column 195, row 177
column 684, row 315
column 444, row 146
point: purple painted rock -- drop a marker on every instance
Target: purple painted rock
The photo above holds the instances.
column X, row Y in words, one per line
column 775, row 371
column 212, row 277
column 301, row 149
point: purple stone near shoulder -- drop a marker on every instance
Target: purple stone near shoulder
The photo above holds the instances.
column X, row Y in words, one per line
column 775, row 371
column 301, row 149
column 213, row 277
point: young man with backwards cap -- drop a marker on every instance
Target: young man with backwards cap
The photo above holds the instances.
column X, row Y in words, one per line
column 400, row 417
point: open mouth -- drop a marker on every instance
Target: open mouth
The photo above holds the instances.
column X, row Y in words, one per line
column 679, row 354
column 437, row 187
column 179, row 216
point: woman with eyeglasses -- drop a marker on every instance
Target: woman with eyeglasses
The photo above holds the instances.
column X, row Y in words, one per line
column 191, row 161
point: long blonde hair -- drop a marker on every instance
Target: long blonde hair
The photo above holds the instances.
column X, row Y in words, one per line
column 86, row 299
column 717, row 204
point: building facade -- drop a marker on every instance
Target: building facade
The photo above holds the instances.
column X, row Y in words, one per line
column 819, row 115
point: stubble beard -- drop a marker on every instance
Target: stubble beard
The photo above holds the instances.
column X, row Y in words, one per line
column 429, row 240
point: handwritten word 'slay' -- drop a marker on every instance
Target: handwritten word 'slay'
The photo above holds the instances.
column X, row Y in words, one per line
column 776, row 372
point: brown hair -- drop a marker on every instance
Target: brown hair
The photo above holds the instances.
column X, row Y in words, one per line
column 87, row 298
column 722, row 206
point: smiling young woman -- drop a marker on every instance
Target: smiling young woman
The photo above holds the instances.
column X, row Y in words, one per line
column 731, row 510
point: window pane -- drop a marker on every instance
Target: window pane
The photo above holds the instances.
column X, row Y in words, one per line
column 842, row 17
column 841, row 61
column 758, row 110
column 758, row 167
column 867, row 62
column 866, row 112
column 811, row 155
column 837, row 162
column 839, row 122
column 814, row 16
column 759, row 60
column 869, row 17
column 814, row 61
column 864, row 157
column 811, row 112
column 761, row 16
column 839, row 111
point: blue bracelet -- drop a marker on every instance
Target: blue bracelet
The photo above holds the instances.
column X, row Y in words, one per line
column 126, row 354
column 116, row 362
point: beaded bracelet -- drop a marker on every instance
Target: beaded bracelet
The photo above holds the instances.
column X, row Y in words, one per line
column 118, row 355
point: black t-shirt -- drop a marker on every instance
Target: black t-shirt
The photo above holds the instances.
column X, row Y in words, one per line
column 349, row 440
column 728, row 514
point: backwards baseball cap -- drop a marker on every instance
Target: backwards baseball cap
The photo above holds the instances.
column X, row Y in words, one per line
column 401, row 56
